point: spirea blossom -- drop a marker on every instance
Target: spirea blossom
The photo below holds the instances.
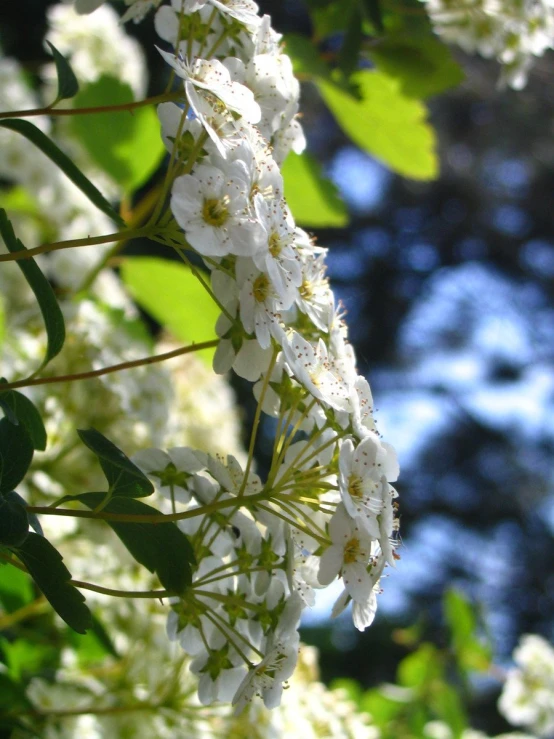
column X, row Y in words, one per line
column 326, row 509
column 527, row 696
column 510, row 31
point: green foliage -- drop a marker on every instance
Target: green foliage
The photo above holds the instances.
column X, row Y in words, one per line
column 160, row 547
column 16, row 589
column 16, row 455
column 306, row 60
column 384, row 122
column 14, row 523
column 20, row 410
column 51, row 313
column 46, row 567
column 422, row 65
column 124, row 478
column 127, row 145
column 470, row 652
column 68, row 86
column 167, row 290
column 312, row 198
column 63, row 162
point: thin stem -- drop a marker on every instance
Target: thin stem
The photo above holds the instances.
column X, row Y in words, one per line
column 72, row 243
column 246, row 501
column 134, row 219
column 113, row 368
column 154, row 594
column 87, row 111
column 204, row 284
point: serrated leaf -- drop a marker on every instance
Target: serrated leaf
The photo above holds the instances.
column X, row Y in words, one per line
column 14, row 522
column 16, row 455
column 174, row 297
column 385, row 123
column 51, row 313
column 124, row 478
column 46, row 567
column 61, row 160
column 126, row 144
column 423, row 65
column 160, row 547
column 20, row 410
column 313, row 199
column 68, row 86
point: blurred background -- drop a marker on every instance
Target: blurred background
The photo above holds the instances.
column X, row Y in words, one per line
column 449, row 289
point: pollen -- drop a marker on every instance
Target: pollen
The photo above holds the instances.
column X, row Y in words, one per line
column 352, row 551
column 261, row 288
column 215, row 211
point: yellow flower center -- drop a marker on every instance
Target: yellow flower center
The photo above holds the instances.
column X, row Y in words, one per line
column 274, row 244
column 352, row 551
column 306, row 290
column 261, row 288
column 215, row 212
column 355, row 486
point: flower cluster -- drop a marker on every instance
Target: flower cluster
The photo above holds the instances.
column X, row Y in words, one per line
column 326, row 509
column 527, row 697
column 510, row 31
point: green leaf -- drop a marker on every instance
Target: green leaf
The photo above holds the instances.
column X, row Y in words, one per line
column 68, row 86
column 14, row 523
column 49, row 148
column 51, row 313
column 170, row 293
column 46, row 567
column 461, row 617
column 446, row 703
column 160, row 547
column 423, row 65
column 385, row 123
column 93, row 646
column 312, row 198
column 330, row 18
column 372, row 10
column 124, row 478
column 16, row 590
column 383, row 708
column 352, row 43
column 12, row 700
column 421, row 667
column 20, row 410
column 306, row 60
column 127, row 144
column 24, row 657
column 16, row 455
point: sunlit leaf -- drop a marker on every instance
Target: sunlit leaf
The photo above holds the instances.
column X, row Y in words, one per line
column 174, row 297
column 20, row 410
column 385, row 123
column 126, row 144
column 313, row 199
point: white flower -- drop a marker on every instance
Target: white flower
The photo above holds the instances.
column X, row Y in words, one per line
column 347, row 556
column 362, row 469
column 311, row 366
column 173, row 469
column 245, row 11
column 213, row 211
column 212, row 76
column 278, row 255
column 260, row 303
column 527, row 697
